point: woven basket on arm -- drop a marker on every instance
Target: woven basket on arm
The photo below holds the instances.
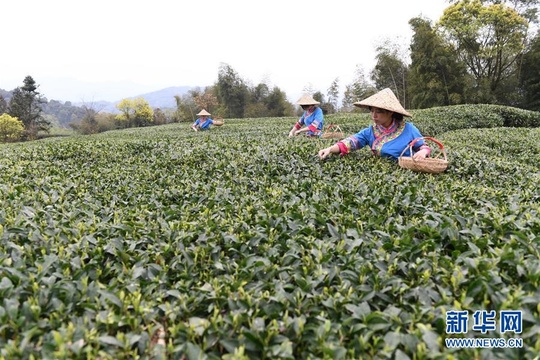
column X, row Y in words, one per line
column 432, row 165
column 333, row 131
column 218, row 121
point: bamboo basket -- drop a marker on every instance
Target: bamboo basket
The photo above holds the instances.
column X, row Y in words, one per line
column 432, row 165
column 218, row 121
column 333, row 131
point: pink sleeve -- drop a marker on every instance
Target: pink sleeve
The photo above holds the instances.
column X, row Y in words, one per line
column 342, row 148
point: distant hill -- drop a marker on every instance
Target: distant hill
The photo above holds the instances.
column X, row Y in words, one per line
column 162, row 99
column 62, row 113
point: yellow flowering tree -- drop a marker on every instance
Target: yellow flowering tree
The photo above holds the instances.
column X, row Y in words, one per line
column 135, row 112
column 11, row 128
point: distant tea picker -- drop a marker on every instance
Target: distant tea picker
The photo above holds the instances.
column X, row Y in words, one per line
column 312, row 120
column 205, row 121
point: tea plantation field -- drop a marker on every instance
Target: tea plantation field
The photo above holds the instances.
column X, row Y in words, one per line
column 238, row 243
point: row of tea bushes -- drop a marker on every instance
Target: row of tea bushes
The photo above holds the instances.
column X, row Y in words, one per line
column 438, row 120
column 239, row 243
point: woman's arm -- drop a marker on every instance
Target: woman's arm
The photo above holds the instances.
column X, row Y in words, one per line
column 297, row 126
column 334, row 149
column 295, row 129
column 352, row 143
column 302, row 130
column 422, row 149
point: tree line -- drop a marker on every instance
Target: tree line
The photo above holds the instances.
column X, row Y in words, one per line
column 22, row 117
column 479, row 51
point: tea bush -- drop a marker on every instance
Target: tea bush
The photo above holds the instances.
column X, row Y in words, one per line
column 438, row 120
column 239, row 243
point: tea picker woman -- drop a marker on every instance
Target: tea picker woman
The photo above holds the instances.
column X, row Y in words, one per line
column 312, row 120
column 203, row 122
column 388, row 136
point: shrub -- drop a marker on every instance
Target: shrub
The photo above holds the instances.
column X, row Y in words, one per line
column 515, row 117
column 11, row 128
column 437, row 120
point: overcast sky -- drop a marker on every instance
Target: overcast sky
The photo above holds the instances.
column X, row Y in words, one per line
column 81, row 50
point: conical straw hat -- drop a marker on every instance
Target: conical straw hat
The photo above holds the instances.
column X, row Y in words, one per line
column 384, row 99
column 203, row 113
column 307, row 100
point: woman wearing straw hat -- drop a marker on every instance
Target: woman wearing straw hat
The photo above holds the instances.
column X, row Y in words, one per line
column 203, row 122
column 388, row 136
column 312, row 120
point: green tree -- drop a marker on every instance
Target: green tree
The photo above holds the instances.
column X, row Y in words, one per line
column 530, row 76
column 106, row 121
column 436, row 76
column 204, row 99
column 159, row 117
column 231, row 91
column 276, row 103
column 88, row 124
column 259, row 93
column 255, row 110
column 359, row 89
column 391, row 71
column 11, row 128
column 333, row 96
column 319, row 96
column 263, row 102
column 256, row 104
column 26, row 105
column 528, row 9
column 3, row 105
column 184, row 108
column 135, row 112
column 489, row 39
column 61, row 113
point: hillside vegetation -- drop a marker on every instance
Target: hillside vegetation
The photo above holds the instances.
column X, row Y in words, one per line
column 239, row 243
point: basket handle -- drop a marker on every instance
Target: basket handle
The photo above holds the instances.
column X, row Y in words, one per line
column 411, row 144
column 441, row 146
column 334, row 128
